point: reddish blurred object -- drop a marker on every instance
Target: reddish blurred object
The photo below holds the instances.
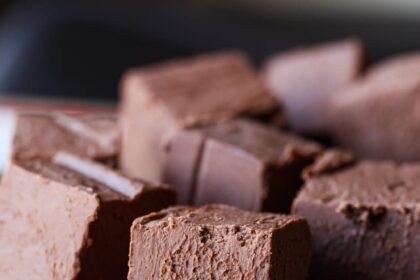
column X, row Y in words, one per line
column 50, row 105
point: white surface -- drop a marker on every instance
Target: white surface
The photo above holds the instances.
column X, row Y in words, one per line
column 99, row 173
column 7, row 126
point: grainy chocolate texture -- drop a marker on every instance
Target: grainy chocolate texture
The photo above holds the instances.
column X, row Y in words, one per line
column 378, row 116
column 42, row 135
column 240, row 163
column 59, row 224
column 303, row 80
column 364, row 220
column 218, row 242
column 160, row 100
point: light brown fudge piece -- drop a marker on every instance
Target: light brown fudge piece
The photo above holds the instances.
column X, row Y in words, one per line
column 70, row 218
column 377, row 117
column 162, row 99
column 364, row 220
column 219, row 242
column 304, row 79
column 42, row 135
column 239, row 162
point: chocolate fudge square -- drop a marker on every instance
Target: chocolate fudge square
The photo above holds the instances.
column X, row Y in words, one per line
column 239, row 162
column 364, row 221
column 304, row 79
column 42, row 135
column 70, row 218
column 218, row 242
column 377, row 117
column 162, row 99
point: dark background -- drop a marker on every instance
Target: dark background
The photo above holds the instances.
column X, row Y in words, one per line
column 78, row 50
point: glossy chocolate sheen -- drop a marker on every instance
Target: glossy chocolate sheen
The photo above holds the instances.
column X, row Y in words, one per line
column 162, row 99
column 218, row 242
column 364, row 220
column 240, row 163
column 60, row 222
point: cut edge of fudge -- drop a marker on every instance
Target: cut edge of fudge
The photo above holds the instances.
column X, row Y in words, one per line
column 238, row 229
column 183, row 94
column 119, row 201
column 189, row 153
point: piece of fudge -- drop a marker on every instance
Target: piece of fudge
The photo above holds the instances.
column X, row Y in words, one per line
column 42, row 135
column 377, row 116
column 303, row 80
column 162, row 99
column 70, row 218
column 239, row 162
column 218, row 242
column 364, row 220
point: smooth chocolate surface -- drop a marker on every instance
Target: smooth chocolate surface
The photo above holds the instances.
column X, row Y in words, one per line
column 240, row 163
column 304, row 79
column 364, row 220
column 218, row 242
column 162, row 99
column 57, row 223
column 377, row 117
column 42, row 135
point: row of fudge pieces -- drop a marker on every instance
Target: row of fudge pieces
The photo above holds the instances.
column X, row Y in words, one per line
column 63, row 205
column 74, row 217
column 198, row 144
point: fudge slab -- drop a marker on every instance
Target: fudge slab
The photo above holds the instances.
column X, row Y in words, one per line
column 364, row 221
column 377, row 116
column 239, row 162
column 42, row 135
column 304, row 79
column 162, row 99
column 218, row 242
column 70, row 218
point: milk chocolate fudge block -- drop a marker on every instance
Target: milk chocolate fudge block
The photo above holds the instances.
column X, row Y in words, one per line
column 364, row 221
column 218, row 242
column 70, row 218
column 377, row 117
column 42, row 135
column 160, row 100
column 240, row 163
column 303, row 80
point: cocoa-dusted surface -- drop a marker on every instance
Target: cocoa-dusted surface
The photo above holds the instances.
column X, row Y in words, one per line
column 377, row 117
column 73, row 226
column 304, row 79
column 364, row 220
column 240, row 163
column 161, row 99
column 42, row 135
column 218, row 242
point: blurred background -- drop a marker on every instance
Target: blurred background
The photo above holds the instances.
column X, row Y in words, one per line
column 72, row 53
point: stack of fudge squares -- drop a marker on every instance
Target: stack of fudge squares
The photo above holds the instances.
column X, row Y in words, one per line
column 211, row 169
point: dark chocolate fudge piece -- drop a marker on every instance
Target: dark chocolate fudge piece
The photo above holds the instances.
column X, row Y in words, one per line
column 160, row 100
column 364, row 220
column 42, row 135
column 303, row 80
column 70, row 218
column 240, row 163
column 219, row 242
column 378, row 116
